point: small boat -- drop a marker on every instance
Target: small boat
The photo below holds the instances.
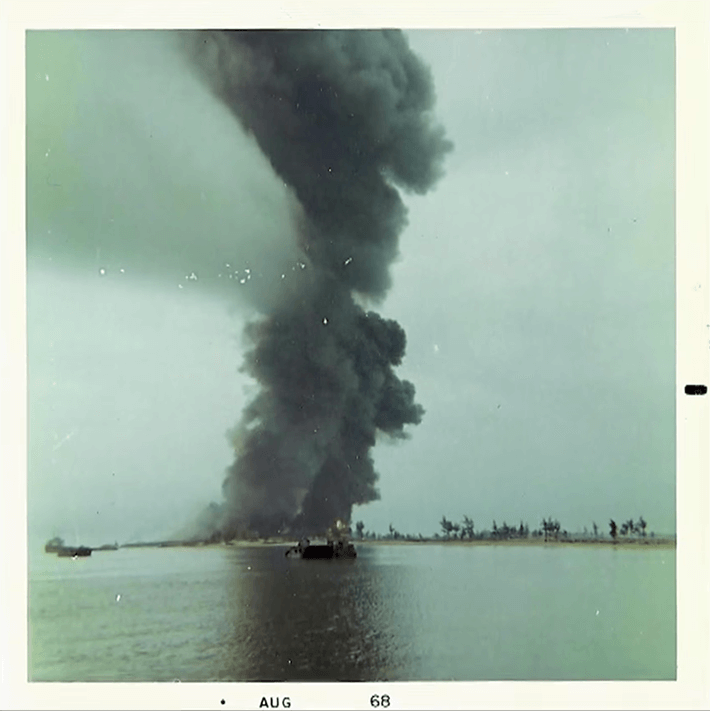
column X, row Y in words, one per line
column 54, row 545
column 78, row 552
column 332, row 549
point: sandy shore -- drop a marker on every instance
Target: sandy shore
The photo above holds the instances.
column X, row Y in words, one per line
column 619, row 543
column 637, row 543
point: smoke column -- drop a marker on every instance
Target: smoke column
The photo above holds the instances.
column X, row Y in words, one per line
column 343, row 117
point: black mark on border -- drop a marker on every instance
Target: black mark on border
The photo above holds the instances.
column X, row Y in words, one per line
column 696, row 389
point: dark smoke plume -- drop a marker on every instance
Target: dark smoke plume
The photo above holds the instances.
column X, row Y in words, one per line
column 343, row 117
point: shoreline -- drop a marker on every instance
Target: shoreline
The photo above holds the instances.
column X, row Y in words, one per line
column 640, row 543
column 659, row 542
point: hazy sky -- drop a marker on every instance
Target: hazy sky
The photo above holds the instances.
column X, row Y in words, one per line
column 535, row 284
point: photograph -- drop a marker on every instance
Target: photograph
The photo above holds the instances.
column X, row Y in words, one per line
column 352, row 355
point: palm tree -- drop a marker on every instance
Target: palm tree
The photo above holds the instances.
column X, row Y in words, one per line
column 642, row 526
column 550, row 527
column 467, row 527
column 446, row 526
column 612, row 529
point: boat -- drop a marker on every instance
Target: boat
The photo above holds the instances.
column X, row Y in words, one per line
column 78, row 552
column 332, row 549
column 54, row 545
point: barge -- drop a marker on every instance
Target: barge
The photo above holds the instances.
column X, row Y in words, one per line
column 332, row 549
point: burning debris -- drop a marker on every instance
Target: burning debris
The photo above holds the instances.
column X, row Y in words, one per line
column 343, row 117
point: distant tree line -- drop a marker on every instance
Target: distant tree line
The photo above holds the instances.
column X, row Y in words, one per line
column 450, row 530
column 465, row 529
column 628, row 528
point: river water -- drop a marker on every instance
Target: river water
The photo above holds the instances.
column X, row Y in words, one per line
column 397, row 612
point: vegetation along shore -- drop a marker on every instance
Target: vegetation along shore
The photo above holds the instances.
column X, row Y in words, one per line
column 629, row 533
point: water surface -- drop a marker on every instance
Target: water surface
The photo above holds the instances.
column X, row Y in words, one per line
column 398, row 612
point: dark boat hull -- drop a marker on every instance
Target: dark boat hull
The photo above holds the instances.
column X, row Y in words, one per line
column 323, row 552
column 318, row 552
column 79, row 552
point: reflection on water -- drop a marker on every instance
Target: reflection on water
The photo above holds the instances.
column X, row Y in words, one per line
column 314, row 620
column 435, row 612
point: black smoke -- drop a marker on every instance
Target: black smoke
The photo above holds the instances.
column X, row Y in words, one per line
column 343, row 117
